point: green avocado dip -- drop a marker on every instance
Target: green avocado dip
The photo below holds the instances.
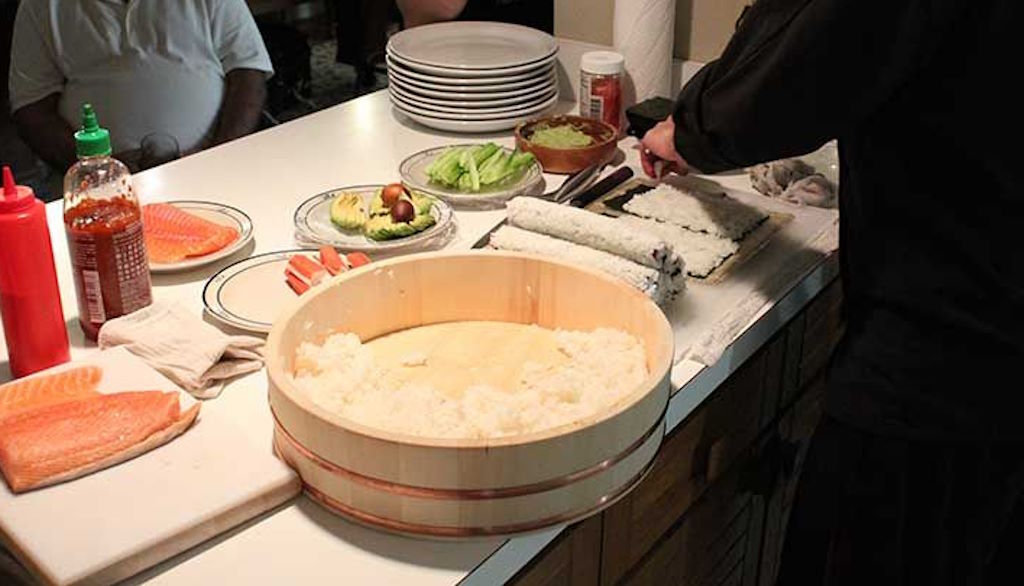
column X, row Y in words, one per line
column 564, row 136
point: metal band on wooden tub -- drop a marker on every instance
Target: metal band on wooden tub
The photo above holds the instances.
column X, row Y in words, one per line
column 281, row 434
column 441, row 531
column 590, row 495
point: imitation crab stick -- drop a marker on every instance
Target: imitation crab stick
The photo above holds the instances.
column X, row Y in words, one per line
column 332, row 261
column 305, row 269
column 295, row 283
column 357, row 259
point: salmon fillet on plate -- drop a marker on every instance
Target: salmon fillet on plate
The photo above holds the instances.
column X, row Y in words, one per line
column 173, row 235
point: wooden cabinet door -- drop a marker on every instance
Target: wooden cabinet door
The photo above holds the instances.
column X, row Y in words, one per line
column 573, row 559
column 697, row 452
column 796, row 426
column 718, row 541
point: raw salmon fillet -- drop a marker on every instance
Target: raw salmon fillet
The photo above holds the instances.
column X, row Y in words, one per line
column 59, row 442
column 173, row 235
column 38, row 391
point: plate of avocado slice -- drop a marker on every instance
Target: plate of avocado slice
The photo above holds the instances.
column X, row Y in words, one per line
column 374, row 218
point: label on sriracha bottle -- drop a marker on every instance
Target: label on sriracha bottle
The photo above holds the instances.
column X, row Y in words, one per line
column 108, row 255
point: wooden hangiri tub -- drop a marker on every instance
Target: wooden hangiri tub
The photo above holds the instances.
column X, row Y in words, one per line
column 450, row 488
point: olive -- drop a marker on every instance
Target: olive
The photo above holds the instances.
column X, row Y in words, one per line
column 403, row 211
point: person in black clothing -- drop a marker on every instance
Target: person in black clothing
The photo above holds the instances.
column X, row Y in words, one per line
column 916, row 474
column 361, row 31
column 538, row 14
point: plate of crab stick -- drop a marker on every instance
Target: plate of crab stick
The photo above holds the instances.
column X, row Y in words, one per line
column 249, row 294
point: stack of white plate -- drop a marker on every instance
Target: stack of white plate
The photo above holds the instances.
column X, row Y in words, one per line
column 472, row 76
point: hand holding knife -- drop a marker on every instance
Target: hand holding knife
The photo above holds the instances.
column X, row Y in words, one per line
column 658, row 155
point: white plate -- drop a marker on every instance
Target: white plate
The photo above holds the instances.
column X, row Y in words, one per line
column 528, row 111
column 469, row 73
column 464, row 126
column 532, row 74
column 473, row 45
column 413, row 95
column 471, row 108
column 470, row 93
column 313, row 225
column 250, row 294
column 219, row 214
column 413, row 172
column 484, row 91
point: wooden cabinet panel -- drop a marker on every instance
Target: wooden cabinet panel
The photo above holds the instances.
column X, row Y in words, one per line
column 709, row 442
column 772, row 376
column 796, row 426
column 822, row 329
column 717, row 542
column 794, row 334
column 573, row 559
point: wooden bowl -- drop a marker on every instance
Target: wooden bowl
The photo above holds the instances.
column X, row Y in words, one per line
column 555, row 160
column 454, row 488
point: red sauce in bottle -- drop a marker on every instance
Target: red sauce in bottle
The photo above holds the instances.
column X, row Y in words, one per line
column 601, row 86
column 108, row 256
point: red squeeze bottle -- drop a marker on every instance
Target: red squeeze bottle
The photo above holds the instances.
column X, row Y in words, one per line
column 29, row 298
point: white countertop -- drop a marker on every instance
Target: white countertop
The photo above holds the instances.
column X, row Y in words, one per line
column 267, row 175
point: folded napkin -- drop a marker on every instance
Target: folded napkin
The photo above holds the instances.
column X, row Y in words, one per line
column 184, row 348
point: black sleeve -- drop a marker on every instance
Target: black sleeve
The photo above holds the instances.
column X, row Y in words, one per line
column 798, row 73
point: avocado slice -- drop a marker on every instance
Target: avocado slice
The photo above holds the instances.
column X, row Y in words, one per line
column 348, row 211
column 384, row 228
column 377, row 207
column 422, row 202
column 422, row 221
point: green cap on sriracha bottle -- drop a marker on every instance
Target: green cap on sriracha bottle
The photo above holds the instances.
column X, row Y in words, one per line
column 91, row 140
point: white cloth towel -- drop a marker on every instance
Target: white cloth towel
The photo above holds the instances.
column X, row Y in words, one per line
column 184, row 348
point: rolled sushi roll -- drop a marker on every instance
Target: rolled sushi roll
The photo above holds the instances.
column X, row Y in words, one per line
column 658, row 285
column 593, row 230
column 702, row 252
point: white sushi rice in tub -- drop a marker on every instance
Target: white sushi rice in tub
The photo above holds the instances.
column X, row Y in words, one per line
column 343, row 376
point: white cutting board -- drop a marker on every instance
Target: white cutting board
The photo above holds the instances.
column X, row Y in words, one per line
column 116, row 522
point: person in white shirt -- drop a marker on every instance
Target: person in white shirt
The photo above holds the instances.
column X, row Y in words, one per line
column 191, row 69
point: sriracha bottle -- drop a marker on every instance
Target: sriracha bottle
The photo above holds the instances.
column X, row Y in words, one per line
column 29, row 298
column 103, row 223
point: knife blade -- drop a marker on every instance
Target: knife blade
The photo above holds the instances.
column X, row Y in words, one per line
column 601, row 187
column 576, row 182
column 482, row 242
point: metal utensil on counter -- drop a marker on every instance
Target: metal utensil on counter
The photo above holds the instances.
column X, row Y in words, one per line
column 601, row 187
column 581, row 199
column 574, row 183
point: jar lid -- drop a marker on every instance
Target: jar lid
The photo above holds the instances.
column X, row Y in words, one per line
column 602, row 62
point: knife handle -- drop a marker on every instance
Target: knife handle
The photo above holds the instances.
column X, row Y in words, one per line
column 601, row 187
